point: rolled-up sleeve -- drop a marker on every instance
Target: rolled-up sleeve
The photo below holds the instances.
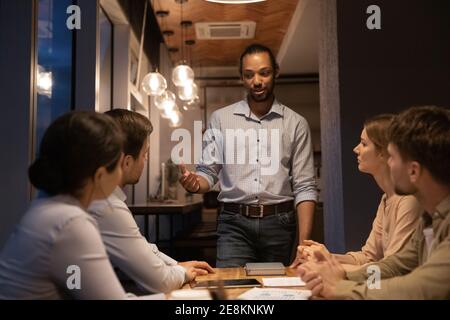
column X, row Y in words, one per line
column 402, row 277
column 429, row 281
column 303, row 178
column 212, row 153
column 396, row 265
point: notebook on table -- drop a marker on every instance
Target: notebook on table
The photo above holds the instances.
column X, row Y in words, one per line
column 264, row 268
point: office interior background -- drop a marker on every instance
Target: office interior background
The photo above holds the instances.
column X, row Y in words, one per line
column 335, row 71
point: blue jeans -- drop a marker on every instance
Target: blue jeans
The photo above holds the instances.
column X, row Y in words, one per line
column 242, row 239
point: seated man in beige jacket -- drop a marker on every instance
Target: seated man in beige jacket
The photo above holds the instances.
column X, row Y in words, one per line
column 419, row 152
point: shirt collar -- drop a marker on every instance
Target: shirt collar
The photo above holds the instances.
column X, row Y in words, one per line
column 119, row 194
column 443, row 208
column 441, row 212
column 243, row 108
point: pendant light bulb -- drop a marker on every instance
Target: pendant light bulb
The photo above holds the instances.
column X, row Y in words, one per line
column 154, row 84
column 188, row 92
column 182, row 75
column 165, row 101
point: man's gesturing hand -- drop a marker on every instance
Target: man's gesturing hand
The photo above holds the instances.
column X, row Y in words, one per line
column 189, row 180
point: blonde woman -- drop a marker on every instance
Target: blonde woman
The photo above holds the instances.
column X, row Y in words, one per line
column 397, row 216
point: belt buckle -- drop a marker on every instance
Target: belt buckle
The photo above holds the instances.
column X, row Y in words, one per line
column 261, row 211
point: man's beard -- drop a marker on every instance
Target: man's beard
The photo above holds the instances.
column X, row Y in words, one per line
column 261, row 98
column 133, row 180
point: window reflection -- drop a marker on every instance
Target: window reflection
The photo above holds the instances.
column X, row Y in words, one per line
column 54, row 63
column 106, row 47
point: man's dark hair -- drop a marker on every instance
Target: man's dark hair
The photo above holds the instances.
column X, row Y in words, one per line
column 135, row 127
column 258, row 48
column 422, row 134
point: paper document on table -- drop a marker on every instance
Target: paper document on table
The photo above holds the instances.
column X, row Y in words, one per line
column 275, row 294
column 283, row 282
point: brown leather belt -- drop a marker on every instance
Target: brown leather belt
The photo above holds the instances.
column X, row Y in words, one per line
column 258, row 210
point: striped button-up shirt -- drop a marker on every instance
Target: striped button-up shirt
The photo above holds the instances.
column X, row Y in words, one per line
column 264, row 160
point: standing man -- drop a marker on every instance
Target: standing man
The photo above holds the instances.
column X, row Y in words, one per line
column 127, row 249
column 267, row 182
column 419, row 152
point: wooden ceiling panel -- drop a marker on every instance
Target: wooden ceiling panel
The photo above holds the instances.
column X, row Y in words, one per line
column 272, row 19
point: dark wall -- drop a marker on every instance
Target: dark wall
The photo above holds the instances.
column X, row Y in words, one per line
column 134, row 10
column 405, row 63
column 86, row 69
column 16, row 65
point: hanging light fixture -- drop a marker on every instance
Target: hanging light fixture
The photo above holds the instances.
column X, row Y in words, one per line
column 176, row 118
column 154, row 84
column 166, row 101
column 169, row 113
column 167, row 107
column 188, row 91
column 183, row 73
column 166, row 114
column 192, row 104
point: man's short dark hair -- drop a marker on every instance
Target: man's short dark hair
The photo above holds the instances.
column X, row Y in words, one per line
column 135, row 127
column 258, row 48
column 422, row 134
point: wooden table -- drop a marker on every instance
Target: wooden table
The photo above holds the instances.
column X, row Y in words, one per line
column 238, row 273
column 163, row 208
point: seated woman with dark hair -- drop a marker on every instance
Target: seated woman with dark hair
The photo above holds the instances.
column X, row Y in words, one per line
column 56, row 250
